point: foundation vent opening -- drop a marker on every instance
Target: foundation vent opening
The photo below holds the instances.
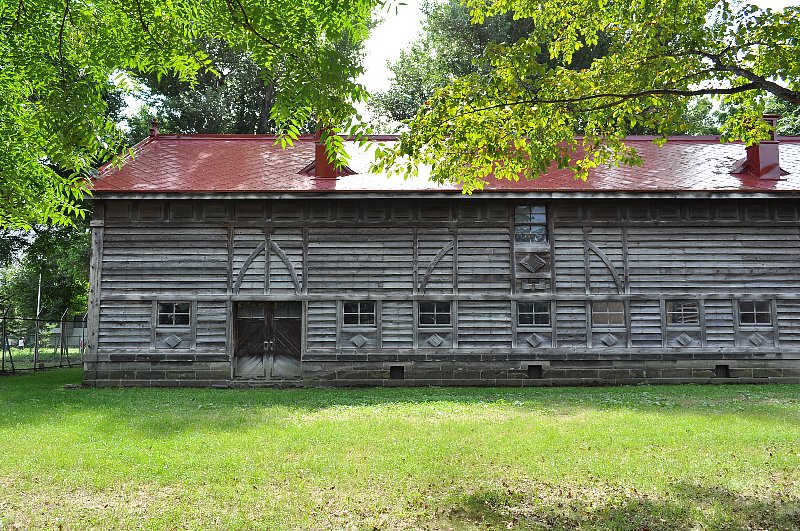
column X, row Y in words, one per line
column 397, row 372
column 722, row 371
column 534, row 372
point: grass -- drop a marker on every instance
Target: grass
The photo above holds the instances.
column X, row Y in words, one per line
column 48, row 356
column 638, row 458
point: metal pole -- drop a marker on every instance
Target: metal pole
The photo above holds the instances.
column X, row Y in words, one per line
column 36, row 331
column 5, row 333
column 5, row 342
column 62, row 342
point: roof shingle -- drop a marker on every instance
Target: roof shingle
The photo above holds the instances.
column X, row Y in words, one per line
column 189, row 164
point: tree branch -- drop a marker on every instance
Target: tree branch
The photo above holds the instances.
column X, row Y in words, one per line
column 249, row 26
column 61, row 44
column 20, row 8
column 144, row 25
column 618, row 97
column 761, row 82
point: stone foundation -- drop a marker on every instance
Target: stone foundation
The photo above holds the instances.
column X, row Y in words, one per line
column 215, row 370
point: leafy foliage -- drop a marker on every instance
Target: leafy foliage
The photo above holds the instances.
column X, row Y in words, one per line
column 236, row 98
column 61, row 255
column 524, row 113
column 56, row 61
column 450, row 47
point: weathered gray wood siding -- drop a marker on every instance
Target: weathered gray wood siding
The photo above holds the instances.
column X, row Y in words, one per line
column 398, row 253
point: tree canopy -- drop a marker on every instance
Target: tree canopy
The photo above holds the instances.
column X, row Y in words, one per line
column 527, row 112
column 449, row 47
column 236, row 98
column 57, row 61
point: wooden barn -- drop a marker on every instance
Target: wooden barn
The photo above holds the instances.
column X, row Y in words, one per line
column 225, row 260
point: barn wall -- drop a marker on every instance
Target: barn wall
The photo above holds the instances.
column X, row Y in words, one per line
column 635, row 256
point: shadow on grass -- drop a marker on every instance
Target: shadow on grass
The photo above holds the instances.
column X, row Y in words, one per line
column 683, row 506
column 37, row 397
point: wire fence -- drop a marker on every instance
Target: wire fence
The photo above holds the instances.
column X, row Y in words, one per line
column 32, row 344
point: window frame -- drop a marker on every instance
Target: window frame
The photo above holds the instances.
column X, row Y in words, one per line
column 755, row 313
column 534, row 313
column 608, row 326
column 436, row 312
column 174, row 313
column 530, row 223
column 684, row 325
column 359, row 325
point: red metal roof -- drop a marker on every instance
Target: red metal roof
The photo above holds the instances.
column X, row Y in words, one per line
column 192, row 164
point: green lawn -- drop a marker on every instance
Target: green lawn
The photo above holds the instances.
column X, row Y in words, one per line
column 643, row 458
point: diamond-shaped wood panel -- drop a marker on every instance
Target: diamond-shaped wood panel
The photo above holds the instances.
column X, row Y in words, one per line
column 435, row 340
column 757, row 339
column 609, row 340
column 533, row 262
column 172, row 341
column 684, row 340
column 359, row 341
column 535, row 340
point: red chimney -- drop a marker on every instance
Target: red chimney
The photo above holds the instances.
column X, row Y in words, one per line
column 323, row 167
column 762, row 158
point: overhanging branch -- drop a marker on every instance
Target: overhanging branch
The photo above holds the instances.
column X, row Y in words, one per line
column 619, row 97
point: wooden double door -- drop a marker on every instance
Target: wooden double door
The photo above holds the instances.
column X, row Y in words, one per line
column 268, row 340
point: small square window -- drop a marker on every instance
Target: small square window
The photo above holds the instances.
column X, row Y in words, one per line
column 683, row 312
column 608, row 313
column 530, row 224
column 358, row 313
column 533, row 313
column 434, row 314
column 174, row 313
column 755, row 313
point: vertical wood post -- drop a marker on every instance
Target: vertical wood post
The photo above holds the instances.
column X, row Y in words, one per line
column 93, row 317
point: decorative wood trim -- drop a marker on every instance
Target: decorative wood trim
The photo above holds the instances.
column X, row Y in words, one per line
column 281, row 254
column 289, row 266
column 252, row 256
column 607, row 261
column 429, row 271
